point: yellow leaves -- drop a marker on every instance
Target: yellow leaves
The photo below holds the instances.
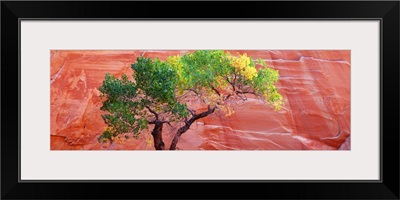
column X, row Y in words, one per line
column 239, row 63
column 242, row 66
column 249, row 72
column 265, row 94
column 227, row 109
column 109, row 128
column 175, row 61
column 278, row 105
column 118, row 140
column 215, row 97
column 221, row 82
column 212, row 99
column 277, row 102
column 230, row 110
column 149, row 140
column 115, row 139
column 180, row 92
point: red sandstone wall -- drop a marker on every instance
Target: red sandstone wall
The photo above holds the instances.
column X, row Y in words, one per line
column 315, row 85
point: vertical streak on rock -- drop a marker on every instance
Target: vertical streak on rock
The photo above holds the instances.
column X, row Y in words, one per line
column 57, row 74
column 251, row 127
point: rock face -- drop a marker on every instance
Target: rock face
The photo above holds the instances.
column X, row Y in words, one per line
column 314, row 84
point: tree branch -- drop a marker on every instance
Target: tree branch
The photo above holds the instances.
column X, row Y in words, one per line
column 191, row 111
column 215, row 90
column 192, row 90
column 245, row 92
column 152, row 111
column 161, row 122
column 231, row 83
column 187, row 125
column 240, row 93
column 228, row 96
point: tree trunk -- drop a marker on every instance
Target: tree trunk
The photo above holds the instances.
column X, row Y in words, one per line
column 111, row 147
column 178, row 135
column 157, row 136
column 187, row 125
column 175, row 141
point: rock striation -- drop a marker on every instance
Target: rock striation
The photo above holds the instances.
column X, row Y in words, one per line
column 314, row 83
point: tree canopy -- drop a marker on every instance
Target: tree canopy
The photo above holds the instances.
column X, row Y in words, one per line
column 165, row 91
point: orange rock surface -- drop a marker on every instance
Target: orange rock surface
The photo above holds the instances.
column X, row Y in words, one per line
column 314, row 84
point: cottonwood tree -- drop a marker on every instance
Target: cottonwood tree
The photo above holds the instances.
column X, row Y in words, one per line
column 172, row 91
column 218, row 80
column 132, row 105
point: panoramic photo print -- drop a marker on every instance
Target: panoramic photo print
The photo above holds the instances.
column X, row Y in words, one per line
column 200, row 100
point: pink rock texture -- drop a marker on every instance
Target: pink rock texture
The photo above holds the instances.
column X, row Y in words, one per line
column 315, row 85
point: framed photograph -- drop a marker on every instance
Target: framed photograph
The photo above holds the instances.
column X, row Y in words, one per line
column 221, row 97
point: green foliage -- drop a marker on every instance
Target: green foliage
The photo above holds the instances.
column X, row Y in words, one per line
column 124, row 113
column 158, row 82
column 157, row 79
column 159, row 90
column 206, row 70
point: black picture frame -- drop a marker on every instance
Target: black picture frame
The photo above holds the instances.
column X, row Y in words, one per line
column 386, row 11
